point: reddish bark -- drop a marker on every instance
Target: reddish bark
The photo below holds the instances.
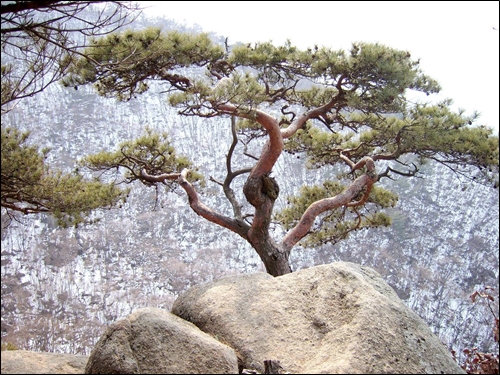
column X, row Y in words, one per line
column 275, row 256
column 362, row 183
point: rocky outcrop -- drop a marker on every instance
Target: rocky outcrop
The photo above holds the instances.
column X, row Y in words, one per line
column 336, row 318
column 26, row 362
column 154, row 341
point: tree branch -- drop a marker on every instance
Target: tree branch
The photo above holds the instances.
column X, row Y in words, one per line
column 363, row 183
column 235, row 225
column 272, row 149
column 228, row 191
column 158, row 178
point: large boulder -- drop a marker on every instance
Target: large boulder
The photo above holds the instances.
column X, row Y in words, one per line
column 336, row 318
column 154, row 341
column 27, row 362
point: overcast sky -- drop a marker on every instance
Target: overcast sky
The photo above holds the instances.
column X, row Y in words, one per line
column 457, row 41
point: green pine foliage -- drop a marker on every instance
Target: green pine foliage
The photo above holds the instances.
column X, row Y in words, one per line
column 342, row 109
column 30, row 186
column 336, row 224
column 151, row 152
column 120, row 63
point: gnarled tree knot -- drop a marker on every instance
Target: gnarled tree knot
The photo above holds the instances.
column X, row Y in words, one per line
column 270, row 187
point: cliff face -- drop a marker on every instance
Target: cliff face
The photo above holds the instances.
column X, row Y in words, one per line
column 61, row 287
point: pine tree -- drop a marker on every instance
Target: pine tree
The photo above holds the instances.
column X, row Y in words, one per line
column 347, row 109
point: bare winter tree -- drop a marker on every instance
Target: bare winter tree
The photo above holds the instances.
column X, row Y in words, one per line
column 41, row 38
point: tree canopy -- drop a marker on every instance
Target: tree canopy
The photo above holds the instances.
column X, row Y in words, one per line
column 338, row 108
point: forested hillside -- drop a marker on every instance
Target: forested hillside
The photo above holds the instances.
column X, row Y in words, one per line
column 61, row 287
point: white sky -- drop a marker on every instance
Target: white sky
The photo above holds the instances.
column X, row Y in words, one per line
column 455, row 40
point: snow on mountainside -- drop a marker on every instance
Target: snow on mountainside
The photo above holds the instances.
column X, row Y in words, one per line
column 61, row 287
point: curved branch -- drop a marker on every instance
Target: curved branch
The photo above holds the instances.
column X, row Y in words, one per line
column 410, row 173
column 313, row 113
column 367, row 160
column 272, row 149
column 362, row 183
column 231, row 175
column 235, row 225
column 233, row 146
column 364, row 198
